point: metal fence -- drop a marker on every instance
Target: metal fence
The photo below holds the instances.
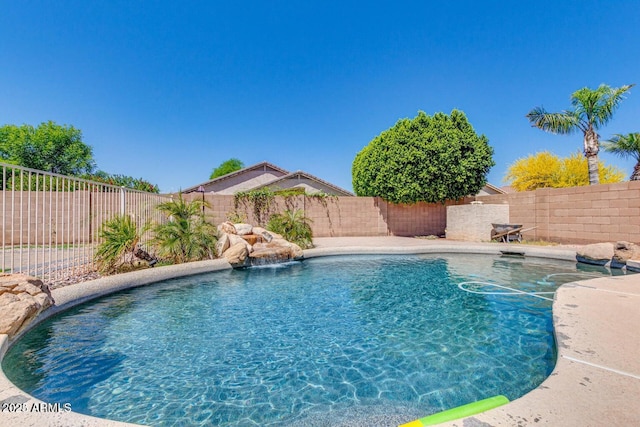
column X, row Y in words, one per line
column 50, row 223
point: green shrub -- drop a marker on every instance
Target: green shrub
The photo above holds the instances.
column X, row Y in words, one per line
column 187, row 236
column 293, row 226
column 120, row 236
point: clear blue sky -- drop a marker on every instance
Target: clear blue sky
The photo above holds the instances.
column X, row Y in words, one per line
column 167, row 90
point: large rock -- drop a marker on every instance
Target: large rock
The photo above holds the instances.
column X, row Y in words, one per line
column 266, row 234
column 222, row 244
column 227, row 227
column 22, row 299
column 597, row 254
column 235, row 239
column 268, row 255
column 267, row 247
column 237, row 255
column 242, row 229
column 280, row 246
column 252, row 239
column 624, row 251
column 296, row 251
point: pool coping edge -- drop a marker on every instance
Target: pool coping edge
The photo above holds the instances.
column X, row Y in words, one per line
column 68, row 297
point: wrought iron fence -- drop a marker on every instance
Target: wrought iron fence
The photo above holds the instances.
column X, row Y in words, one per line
column 50, row 223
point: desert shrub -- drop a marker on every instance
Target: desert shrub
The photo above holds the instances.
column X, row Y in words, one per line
column 120, row 236
column 293, row 226
column 187, row 236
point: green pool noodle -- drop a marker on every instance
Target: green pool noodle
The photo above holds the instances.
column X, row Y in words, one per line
column 459, row 412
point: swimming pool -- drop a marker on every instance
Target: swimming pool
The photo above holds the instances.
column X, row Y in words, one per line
column 325, row 342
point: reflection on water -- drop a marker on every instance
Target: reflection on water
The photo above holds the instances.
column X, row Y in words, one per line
column 312, row 343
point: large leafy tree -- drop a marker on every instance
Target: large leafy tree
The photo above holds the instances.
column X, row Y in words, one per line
column 226, row 167
column 48, row 147
column 427, row 158
column 626, row 146
column 547, row 170
column 591, row 110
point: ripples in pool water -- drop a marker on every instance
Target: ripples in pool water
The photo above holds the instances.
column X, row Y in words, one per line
column 359, row 340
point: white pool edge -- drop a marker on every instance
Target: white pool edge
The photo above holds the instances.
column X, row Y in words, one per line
column 72, row 295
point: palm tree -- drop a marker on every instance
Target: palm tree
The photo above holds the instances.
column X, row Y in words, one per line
column 187, row 236
column 626, row 146
column 591, row 110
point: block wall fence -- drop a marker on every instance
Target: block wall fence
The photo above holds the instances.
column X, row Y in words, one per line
column 600, row 213
column 341, row 216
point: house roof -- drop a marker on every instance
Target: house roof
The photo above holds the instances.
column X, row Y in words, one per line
column 299, row 173
column 260, row 165
column 498, row 190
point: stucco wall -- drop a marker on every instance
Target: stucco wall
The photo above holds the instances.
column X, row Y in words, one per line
column 473, row 222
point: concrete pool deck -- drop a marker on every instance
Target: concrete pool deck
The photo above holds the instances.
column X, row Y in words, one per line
column 596, row 380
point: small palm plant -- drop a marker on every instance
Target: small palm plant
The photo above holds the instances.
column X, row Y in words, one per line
column 626, row 146
column 187, row 236
column 293, row 226
column 120, row 236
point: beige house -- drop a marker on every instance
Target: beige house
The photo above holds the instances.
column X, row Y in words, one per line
column 489, row 190
column 267, row 175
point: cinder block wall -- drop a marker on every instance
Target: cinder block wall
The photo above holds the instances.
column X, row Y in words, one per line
column 340, row 216
column 599, row 213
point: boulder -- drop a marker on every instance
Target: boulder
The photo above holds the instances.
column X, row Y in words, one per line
column 242, row 229
column 280, row 253
column 237, row 255
column 260, row 246
column 624, row 251
column 252, row 239
column 597, row 254
column 227, row 227
column 295, row 250
column 222, row 244
column 22, row 299
column 266, row 234
column 235, row 239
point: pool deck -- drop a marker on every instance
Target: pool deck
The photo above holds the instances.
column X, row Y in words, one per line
column 596, row 380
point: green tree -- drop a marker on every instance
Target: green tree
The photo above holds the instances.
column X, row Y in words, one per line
column 123, row 181
column 626, row 146
column 48, row 147
column 187, row 236
column 226, row 167
column 592, row 109
column 430, row 159
column 547, row 170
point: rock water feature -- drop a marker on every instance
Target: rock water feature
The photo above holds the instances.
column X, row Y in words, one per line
column 243, row 245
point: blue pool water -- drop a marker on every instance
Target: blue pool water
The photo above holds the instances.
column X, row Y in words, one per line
column 359, row 340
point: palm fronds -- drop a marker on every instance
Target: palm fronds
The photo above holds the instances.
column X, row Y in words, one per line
column 120, row 235
column 187, row 236
column 293, row 226
column 564, row 122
